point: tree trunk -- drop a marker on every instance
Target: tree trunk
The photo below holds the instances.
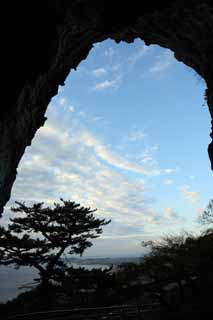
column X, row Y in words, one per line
column 181, row 290
column 46, row 293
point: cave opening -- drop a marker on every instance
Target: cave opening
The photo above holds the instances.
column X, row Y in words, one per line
column 134, row 141
column 126, row 134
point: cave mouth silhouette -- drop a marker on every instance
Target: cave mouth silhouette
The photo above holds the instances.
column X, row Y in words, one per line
column 63, row 38
column 164, row 117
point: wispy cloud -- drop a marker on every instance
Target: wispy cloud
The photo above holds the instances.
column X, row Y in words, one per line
column 162, row 63
column 191, row 196
column 141, row 52
column 137, row 135
column 113, row 159
column 199, row 212
column 97, row 119
column 66, row 160
column 170, row 214
column 106, row 84
column 71, row 108
column 109, row 52
column 170, row 170
column 147, row 156
column 119, row 67
column 148, row 160
column 99, row 72
column 82, row 114
column 168, row 181
column 62, row 101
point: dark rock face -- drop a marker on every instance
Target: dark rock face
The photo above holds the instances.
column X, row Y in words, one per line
column 41, row 41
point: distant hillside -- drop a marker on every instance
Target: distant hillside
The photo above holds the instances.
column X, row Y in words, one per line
column 104, row 261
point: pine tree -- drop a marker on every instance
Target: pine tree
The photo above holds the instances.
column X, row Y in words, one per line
column 39, row 236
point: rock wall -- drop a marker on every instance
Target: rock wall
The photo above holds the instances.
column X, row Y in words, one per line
column 43, row 40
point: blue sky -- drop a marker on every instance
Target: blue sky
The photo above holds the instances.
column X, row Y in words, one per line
column 127, row 134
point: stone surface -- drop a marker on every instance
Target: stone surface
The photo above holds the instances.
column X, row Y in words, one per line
column 41, row 41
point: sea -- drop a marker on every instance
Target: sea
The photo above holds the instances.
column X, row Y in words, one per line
column 13, row 282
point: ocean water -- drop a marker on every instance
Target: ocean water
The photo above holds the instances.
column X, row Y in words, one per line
column 12, row 280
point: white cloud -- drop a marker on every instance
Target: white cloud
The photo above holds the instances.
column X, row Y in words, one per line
column 116, row 67
column 62, row 101
column 168, row 181
column 109, row 52
column 82, row 114
column 71, row 108
column 67, row 160
column 97, row 119
column 148, row 159
column 169, row 213
column 192, row 177
column 70, row 161
column 141, row 52
column 170, row 170
column 199, row 212
column 191, row 196
column 99, row 72
column 109, row 157
column 163, row 62
column 51, row 132
column 106, row 84
column 137, row 135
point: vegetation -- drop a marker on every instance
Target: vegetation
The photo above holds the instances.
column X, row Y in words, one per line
column 183, row 257
column 207, row 215
column 39, row 236
column 184, row 261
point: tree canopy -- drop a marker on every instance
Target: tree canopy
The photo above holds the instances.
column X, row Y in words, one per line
column 39, row 235
column 178, row 258
column 207, row 216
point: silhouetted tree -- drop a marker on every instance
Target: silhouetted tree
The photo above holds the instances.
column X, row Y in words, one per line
column 185, row 257
column 171, row 259
column 207, row 216
column 75, row 279
column 39, row 236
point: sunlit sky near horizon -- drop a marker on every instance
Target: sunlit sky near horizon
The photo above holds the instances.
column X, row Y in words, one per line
column 127, row 134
